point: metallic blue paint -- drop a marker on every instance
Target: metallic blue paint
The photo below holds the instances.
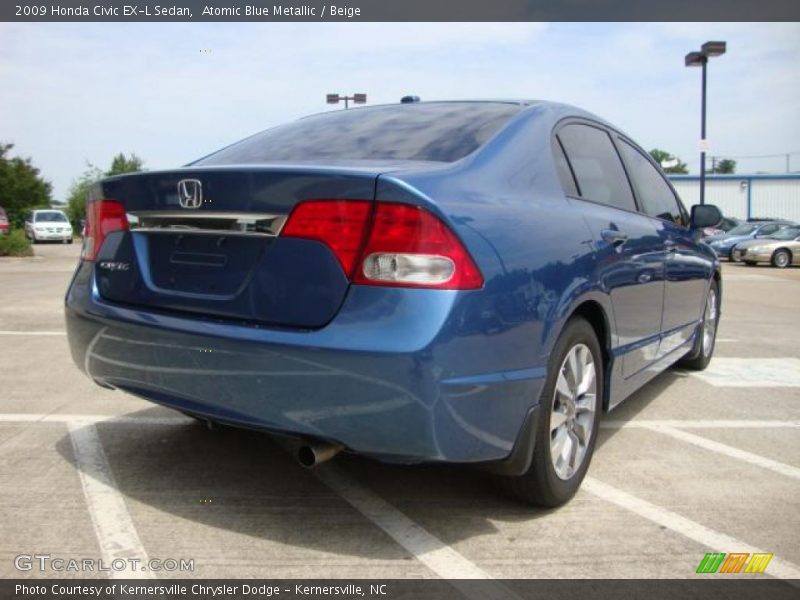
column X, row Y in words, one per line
column 407, row 374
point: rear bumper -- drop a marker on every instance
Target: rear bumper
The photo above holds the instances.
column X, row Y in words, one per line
column 393, row 376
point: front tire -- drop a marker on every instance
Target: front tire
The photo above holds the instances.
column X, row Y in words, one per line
column 706, row 337
column 781, row 258
column 566, row 430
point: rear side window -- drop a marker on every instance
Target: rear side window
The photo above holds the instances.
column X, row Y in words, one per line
column 655, row 195
column 564, row 172
column 768, row 229
column 596, row 165
column 442, row 132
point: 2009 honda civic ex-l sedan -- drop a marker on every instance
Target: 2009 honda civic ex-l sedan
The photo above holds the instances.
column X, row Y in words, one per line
column 466, row 282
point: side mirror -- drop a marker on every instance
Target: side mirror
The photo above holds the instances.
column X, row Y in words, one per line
column 705, row 215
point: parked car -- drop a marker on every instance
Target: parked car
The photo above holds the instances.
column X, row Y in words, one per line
column 724, row 226
column 463, row 282
column 724, row 244
column 781, row 249
column 48, row 225
column 4, row 226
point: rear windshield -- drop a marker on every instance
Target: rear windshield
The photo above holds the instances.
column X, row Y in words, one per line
column 50, row 217
column 442, row 132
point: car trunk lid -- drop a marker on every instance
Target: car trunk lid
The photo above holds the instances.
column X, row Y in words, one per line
column 204, row 242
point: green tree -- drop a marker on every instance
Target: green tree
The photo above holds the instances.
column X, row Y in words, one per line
column 724, row 166
column 79, row 190
column 21, row 186
column 123, row 164
column 674, row 164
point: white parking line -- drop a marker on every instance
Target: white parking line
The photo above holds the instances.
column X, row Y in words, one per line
column 695, row 531
column 701, row 424
column 66, row 418
column 753, row 277
column 33, row 333
column 748, row 457
column 118, row 537
column 113, row 526
column 424, row 546
column 751, row 372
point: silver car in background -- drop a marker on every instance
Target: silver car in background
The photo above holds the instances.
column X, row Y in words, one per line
column 781, row 249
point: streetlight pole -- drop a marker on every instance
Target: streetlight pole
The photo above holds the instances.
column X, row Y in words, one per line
column 703, row 134
column 700, row 59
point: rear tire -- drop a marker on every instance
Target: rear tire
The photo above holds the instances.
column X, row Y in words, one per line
column 781, row 258
column 567, row 425
column 706, row 336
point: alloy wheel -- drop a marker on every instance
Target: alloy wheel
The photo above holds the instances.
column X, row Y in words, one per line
column 781, row 259
column 710, row 323
column 573, row 411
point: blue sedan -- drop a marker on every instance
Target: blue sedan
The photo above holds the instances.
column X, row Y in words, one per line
column 463, row 282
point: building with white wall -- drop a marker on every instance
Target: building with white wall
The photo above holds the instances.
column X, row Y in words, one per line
column 745, row 196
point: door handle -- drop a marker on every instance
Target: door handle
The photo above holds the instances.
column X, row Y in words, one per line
column 670, row 246
column 614, row 237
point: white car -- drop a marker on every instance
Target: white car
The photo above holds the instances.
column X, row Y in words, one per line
column 47, row 225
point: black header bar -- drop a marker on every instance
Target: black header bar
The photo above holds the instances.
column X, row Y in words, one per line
column 398, row 10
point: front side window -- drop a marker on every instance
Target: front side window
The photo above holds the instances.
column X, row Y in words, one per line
column 768, row 229
column 655, row 195
column 596, row 165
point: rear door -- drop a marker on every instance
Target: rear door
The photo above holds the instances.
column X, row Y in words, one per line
column 629, row 251
column 687, row 268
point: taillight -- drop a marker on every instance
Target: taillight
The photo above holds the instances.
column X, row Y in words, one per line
column 339, row 224
column 387, row 244
column 102, row 218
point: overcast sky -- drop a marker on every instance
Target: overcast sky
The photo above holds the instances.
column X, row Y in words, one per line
column 71, row 93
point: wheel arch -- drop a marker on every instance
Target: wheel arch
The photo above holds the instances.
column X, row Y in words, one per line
column 598, row 317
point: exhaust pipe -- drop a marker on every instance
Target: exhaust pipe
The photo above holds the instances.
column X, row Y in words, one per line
column 310, row 455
